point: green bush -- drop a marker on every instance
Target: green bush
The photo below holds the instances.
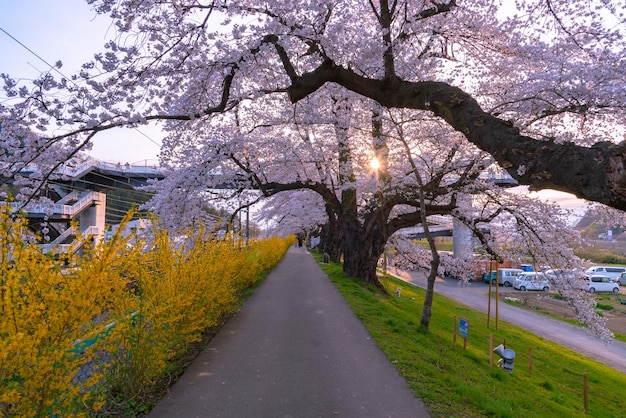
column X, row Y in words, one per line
column 600, row 256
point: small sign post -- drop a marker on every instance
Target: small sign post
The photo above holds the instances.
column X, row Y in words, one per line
column 464, row 330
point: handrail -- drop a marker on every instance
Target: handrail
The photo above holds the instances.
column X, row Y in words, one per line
column 68, row 197
column 74, row 246
column 90, row 163
column 78, row 207
column 78, row 167
column 61, row 209
column 68, row 232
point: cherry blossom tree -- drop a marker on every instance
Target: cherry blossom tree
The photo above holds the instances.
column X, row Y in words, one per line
column 523, row 229
column 539, row 86
column 246, row 88
column 606, row 216
column 316, row 160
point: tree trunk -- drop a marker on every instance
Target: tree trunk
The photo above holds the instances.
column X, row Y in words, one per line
column 430, row 291
column 361, row 251
column 332, row 241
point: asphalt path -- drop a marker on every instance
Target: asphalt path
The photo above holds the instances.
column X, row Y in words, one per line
column 295, row 349
column 475, row 295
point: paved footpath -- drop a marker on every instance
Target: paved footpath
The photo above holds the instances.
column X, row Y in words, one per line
column 295, row 349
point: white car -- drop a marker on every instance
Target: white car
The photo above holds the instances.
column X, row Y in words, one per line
column 557, row 274
column 532, row 281
column 597, row 283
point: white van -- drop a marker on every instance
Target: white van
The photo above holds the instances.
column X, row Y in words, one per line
column 613, row 272
column 506, row 277
column 596, row 283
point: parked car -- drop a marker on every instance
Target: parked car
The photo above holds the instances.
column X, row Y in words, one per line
column 597, row 283
column 506, row 277
column 612, row 272
column 556, row 274
column 532, row 281
column 489, row 274
column 621, row 279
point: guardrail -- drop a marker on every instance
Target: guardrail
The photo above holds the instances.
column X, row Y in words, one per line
column 72, row 247
column 68, row 198
column 78, row 170
column 59, row 208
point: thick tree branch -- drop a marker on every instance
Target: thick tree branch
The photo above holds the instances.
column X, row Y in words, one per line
column 410, row 219
column 596, row 173
column 437, row 9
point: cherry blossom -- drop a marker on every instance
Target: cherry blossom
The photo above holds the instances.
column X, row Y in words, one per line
column 293, row 99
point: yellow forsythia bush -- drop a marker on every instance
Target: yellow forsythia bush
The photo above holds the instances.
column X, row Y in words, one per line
column 80, row 333
column 45, row 311
column 265, row 254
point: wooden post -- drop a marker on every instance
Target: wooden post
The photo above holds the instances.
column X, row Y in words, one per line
column 585, row 394
column 491, row 351
column 497, row 302
column 454, row 331
column 489, row 301
column 530, row 361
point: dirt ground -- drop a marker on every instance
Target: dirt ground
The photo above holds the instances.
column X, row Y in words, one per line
column 616, row 317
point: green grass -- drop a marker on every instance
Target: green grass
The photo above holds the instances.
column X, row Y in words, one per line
column 442, row 245
column 458, row 382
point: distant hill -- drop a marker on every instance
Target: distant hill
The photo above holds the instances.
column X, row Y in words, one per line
column 586, row 221
column 591, row 228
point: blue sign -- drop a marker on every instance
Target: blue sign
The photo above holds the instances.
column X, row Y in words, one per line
column 464, row 327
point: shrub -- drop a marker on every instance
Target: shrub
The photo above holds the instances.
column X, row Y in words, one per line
column 79, row 333
column 600, row 256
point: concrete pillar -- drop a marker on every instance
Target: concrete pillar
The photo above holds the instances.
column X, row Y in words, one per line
column 462, row 236
column 94, row 216
column 462, row 240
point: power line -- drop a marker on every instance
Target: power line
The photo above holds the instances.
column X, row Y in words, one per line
column 56, row 70
column 36, row 55
column 149, row 139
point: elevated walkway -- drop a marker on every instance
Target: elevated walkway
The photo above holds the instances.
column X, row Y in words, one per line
column 80, row 167
column 88, row 172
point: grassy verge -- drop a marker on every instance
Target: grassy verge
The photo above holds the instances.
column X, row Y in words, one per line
column 459, row 382
column 606, row 303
